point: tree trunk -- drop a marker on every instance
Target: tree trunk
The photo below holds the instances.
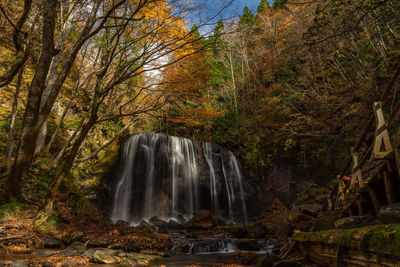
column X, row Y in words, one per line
column 14, row 113
column 53, row 74
column 29, row 132
column 63, row 172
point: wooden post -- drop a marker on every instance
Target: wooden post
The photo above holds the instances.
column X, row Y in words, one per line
column 381, row 134
column 390, row 196
column 356, row 174
column 397, row 155
column 374, row 199
column 360, row 207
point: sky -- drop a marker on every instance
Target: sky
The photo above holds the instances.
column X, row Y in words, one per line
column 213, row 10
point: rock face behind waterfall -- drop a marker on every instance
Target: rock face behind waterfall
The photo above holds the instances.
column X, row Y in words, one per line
column 172, row 177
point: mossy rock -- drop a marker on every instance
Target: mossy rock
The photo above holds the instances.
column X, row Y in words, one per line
column 323, row 223
column 381, row 239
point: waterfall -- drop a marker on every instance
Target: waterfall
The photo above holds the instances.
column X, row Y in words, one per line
column 213, row 181
column 170, row 177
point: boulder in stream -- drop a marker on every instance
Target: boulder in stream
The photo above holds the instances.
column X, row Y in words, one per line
column 75, row 249
column 102, row 257
column 143, row 224
column 202, row 220
column 128, row 263
column 162, row 226
column 19, row 264
column 174, row 225
column 90, row 252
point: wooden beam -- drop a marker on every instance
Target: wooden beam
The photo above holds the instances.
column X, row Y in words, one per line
column 397, row 154
column 381, row 134
column 390, row 195
column 374, row 199
column 356, row 175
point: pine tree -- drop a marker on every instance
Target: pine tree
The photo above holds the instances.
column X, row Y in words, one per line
column 216, row 39
column 264, row 5
column 279, row 4
column 248, row 17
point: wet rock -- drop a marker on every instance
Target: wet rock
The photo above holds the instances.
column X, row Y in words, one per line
column 123, row 223
column 102, row 257
column 390, row 214
column 19, row 264
column 248, row 245
column 174, row 225
column 40, row 253
column 355, row 222
column 162, row 226
column 128, row 263
column 143, row 224
column 309, row 209
column 97, row 244
column 53, row 243
column 46, row 264
column 75, row 249
column 69, row 263
column 90, row 252
column 143, row 258
column 181, row 219
column 181, row 248
column 202, row 220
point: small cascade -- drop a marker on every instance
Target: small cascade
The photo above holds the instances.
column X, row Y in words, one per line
column 173, row 178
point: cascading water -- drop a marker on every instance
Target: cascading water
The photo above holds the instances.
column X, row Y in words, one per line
column 170, row 177
column 213, row 180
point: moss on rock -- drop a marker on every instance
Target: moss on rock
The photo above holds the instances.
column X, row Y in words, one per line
column 382, row 239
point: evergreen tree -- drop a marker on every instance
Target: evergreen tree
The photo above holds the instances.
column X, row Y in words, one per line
column 279, row 4
column 248, row 17
column 216, row 39
column 264, row 5
column 197, row 36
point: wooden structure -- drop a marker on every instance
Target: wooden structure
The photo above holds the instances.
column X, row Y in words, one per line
column 374, row 183
column 375, row 177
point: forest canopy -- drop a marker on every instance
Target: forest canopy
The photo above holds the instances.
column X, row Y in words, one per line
column 293, row 81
